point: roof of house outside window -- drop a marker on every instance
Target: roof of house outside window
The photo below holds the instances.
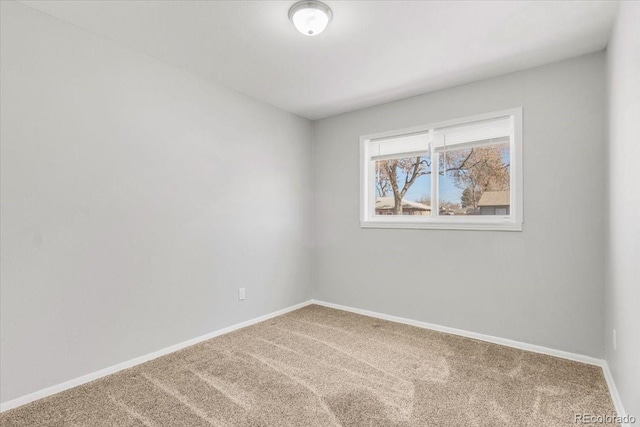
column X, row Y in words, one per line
column 389, row 203
column 494, row 198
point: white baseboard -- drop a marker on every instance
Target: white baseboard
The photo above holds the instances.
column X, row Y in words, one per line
column 477, row 336
column 5, row 406
column 613, row 390
column 23, row 400
column 615, row 397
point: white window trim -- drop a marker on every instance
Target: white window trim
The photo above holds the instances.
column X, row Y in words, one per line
column 512, row 222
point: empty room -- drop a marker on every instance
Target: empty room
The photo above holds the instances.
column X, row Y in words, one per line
column 319, row 213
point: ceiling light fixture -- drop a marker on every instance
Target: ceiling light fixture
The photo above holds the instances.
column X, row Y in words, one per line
column 310, row 17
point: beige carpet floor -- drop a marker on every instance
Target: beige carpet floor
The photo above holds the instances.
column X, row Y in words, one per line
column 323, row 367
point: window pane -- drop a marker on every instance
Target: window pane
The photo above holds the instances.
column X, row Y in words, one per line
column 403, row 186
column 475, row 181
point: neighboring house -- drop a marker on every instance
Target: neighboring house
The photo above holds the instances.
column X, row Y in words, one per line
column 494, row 203
column 386, row 206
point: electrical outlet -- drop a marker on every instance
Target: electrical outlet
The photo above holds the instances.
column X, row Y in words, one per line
column 241, row 293
column 615, row 340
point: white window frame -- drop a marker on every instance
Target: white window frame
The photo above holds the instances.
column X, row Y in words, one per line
column 512, row 222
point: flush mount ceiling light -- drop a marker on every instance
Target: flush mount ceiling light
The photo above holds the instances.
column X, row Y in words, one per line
column 310, row 17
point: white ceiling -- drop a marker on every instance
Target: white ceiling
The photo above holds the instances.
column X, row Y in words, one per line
column 372, row 51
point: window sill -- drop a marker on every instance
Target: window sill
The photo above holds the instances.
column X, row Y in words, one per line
column 443, row 225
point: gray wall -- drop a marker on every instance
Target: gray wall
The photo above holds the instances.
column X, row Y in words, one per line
column 623, row 278
column 543, row 285
column 136, row 199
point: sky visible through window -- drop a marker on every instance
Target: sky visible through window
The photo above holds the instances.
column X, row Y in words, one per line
column 422, row 189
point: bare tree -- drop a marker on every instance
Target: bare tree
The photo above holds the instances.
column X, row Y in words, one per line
column 470, row 197
column 388, row 177
column 383, row 184
column 478, row 170
column 449, row 206
column 425, row 200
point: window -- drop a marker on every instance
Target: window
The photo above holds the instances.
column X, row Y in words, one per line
column 460, row 174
